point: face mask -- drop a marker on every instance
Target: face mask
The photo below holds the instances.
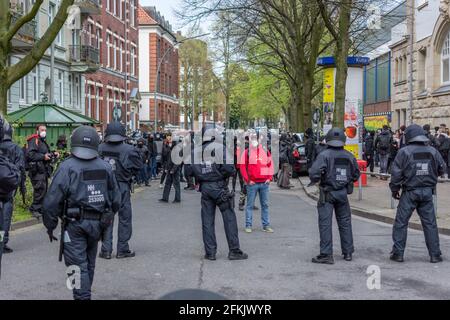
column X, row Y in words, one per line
column 140, row 145
column 254, row 144
column 43, row 134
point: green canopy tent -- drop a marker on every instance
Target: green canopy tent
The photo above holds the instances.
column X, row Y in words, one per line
column 59, row 121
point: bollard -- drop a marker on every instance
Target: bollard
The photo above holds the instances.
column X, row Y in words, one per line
column 360, row 188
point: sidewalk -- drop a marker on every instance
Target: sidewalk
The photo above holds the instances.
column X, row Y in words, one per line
column 376, row 203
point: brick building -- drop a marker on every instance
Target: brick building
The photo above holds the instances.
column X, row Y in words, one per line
column 112, row 90
column 157, row 41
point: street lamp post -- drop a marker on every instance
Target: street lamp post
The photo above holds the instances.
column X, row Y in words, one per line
column 176, row 43
column 157, row 82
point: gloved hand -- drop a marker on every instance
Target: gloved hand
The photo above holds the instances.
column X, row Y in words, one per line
column 51, row 236
column 396, row 195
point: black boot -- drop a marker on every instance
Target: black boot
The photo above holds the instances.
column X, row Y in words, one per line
column 211, row 257
column 126, row 254
column 7, row 249
column 433, row 259
column 105, row 255
column 323, row 259
column 396, row 257
column 237, row 255
column 348, row 257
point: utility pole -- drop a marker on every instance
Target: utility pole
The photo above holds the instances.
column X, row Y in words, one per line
column 411, row 64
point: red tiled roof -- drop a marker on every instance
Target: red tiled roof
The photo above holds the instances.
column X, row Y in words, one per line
column 144, row 17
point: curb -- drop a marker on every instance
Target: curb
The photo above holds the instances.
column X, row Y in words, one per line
column 33, row 221
column 377, row 217
column 24, row 224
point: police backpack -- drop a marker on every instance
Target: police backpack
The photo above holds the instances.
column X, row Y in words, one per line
column 9, row 178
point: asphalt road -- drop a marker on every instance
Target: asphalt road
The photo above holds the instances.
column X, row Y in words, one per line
column 167, row 240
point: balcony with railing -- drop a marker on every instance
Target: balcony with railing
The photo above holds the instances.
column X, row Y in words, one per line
column 88, row 6
column 84, row 58
column 25, row 38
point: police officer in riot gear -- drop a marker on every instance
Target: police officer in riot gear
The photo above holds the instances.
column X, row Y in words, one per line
column 336, row 170
column 15, row 156
column 39, row 159
column 126, row 162
column 9, row 181
column 85, row 195
column 213, row 175
column 415, row 171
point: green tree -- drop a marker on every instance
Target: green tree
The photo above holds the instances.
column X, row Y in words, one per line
column 10, row 74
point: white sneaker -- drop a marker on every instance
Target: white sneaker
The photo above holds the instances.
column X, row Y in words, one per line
column 248, row 230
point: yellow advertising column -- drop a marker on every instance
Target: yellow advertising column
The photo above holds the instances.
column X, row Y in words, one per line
column 353, row 118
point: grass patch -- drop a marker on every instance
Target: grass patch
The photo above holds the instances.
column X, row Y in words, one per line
column 21, row 212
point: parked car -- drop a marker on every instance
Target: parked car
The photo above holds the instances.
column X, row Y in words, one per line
column 299, row 166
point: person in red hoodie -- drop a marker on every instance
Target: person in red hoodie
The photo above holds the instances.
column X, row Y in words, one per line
column 257, row 171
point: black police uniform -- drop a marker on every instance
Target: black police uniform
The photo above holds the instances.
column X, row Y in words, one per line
column 9, row 181
column 336, row 169
column 15, row 155
column 126, row 163
column 415, row 171
column 172, row 178
column 87, row 187
column 213, row 179
column 39, row 171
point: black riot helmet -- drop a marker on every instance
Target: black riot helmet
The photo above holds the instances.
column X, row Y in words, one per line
column 415, row 133
column 336, row 138
column 84, row 143
column 115, row 132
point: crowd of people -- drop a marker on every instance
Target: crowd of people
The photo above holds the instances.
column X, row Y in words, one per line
column 381, row 147
column 94, row 183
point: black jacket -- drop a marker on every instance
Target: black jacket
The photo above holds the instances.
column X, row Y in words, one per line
column 88, row 184
column 384, row 135
column 416, row 166
column 210, row 170
column 124, row 159
column 310, row 149
column 335, row 169
column 36, row 151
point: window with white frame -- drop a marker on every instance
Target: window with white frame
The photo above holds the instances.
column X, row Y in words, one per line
column 89, row 101
column 61, row 87
column 98, row 36
column 70, row 91
column 132, row 58
column 115, row 54
column 77, row 91
column 445, row 61
column 97, row 103
column 35, row 84
column 121, row 57
column 23, row 89
column 108, row 49
column 132, row 9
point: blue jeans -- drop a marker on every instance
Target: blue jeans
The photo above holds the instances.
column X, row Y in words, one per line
column 153, row 168
column 142, row 176
column 263, row 190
